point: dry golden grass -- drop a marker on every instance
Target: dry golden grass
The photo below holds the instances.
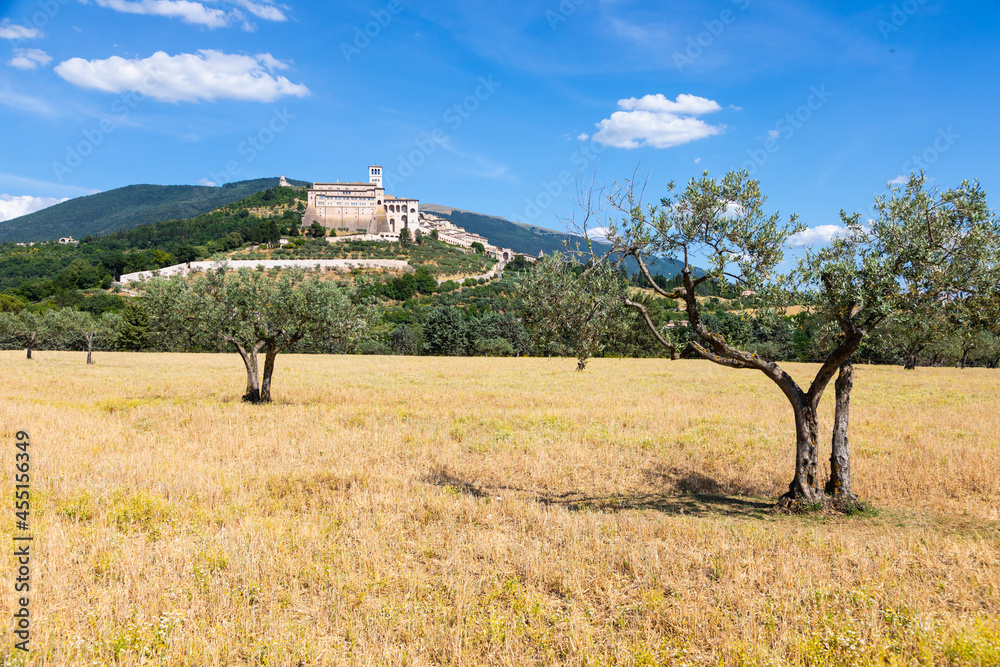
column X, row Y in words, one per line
column 389, row 510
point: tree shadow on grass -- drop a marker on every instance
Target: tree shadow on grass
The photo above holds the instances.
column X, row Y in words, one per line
column 441, row 477
column 693, row 504
column 696, row 495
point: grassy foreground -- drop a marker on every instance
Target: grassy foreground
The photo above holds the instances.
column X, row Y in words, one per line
column 400, row 510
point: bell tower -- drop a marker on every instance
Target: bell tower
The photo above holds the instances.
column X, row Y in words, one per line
column 375, row 175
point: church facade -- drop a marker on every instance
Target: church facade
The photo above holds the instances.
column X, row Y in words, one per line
column 360, row 207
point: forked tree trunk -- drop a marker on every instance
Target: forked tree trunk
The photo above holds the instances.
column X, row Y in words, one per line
column 30, row 344
column 249, row 357
column 265, row 384
column 90, row 346
column 839, row 484
column 804, row 488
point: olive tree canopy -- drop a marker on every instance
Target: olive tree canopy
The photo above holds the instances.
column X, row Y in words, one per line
column 924, row 250
column 252, row 312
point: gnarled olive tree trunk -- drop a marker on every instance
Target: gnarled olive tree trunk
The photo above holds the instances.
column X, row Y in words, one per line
column 265, row 384
column 838, row 487
column 249, row 357
column 804, row 488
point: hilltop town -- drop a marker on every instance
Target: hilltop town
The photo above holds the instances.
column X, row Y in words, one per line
column 367, row 212
column 354, row 211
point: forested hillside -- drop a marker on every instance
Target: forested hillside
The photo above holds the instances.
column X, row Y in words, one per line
column 127, row 208
column 41, row 270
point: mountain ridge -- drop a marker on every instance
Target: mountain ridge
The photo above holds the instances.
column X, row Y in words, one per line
column 519, row 237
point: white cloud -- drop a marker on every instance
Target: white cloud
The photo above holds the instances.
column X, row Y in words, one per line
column 684, row 104
column 197, row 13
column 697, row 160
column 205, row 181
column 270, row 62
column 899, row 180
column 10, row 30
column 656, row 121
column 187, row 77
column 13, row 206
column 774, row 134
column 187, row 11
column 599, row 234
column 816, row 235
column 29, row 58
column 262, row 10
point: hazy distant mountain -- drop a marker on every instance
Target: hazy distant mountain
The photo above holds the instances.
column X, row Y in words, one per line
column 127, row 208
column 528, row 239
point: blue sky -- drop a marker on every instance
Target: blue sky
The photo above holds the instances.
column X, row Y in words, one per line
column 494, row 106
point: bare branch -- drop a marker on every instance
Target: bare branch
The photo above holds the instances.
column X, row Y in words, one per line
column 649, row 323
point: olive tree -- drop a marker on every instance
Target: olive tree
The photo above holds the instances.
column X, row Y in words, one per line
column 86, row 328
column 29, row 328
column 923, row 250
column 573, row 307
column 251, row 312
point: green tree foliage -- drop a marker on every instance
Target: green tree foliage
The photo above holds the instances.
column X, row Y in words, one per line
column 81, row 328
column 134, row 327
column 251, row 312
column 518, row 265
column 423, row 281
column 406, row 339
column 479, row 248
column 446, row 333
column 28, row 328
column 574, row 309
column 501, row 327
column 405, row 239
column 11, row 304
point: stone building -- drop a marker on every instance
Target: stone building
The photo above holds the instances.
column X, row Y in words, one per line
column 360, row 207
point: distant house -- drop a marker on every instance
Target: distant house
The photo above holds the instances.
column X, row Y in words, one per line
column 68, row 240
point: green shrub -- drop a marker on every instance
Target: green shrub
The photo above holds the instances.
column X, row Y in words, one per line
column 494, row 347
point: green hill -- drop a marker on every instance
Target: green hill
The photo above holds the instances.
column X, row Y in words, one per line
column 127, row 208
column 529, row 240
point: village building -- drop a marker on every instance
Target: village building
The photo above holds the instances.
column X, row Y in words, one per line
column 360, row 207
column 452, row 234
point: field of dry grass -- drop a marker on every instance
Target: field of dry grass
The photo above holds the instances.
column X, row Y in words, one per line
column 417, row 511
